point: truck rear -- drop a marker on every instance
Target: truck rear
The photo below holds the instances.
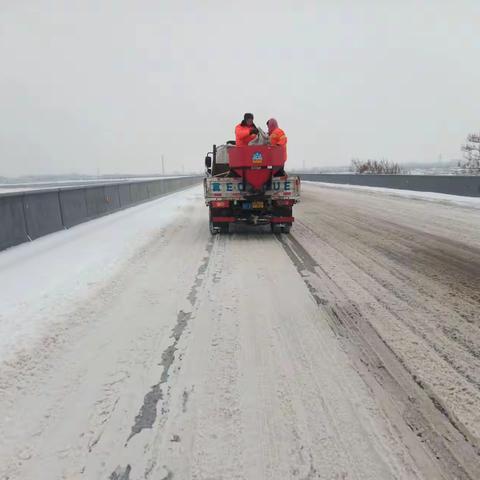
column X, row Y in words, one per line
column 248, row 185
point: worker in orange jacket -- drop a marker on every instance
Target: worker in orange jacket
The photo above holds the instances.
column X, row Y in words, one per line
column 246, row 131
column 277, row 135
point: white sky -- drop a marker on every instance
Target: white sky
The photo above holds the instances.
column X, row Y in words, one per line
column 113, row 84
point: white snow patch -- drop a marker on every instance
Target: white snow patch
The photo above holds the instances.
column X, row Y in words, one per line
column 59, row 184
column 38, row 279
column 472, row 202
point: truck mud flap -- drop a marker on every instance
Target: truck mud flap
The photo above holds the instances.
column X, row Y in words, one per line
column 282, row 219
column 223, row 219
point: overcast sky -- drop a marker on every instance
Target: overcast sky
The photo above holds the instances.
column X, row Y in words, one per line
column 108, row 86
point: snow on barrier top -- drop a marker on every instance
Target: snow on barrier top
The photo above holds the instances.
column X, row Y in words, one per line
column 468, row 186
column 30, row 214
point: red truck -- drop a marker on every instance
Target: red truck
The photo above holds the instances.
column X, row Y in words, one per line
column 248, row 184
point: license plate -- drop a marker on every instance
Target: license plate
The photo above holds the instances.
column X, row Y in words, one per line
column 257, row 204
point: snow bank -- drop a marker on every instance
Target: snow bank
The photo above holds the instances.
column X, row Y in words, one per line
column 472, row 202
column 37, row 279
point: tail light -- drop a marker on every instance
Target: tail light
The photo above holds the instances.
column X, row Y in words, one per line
column 288, row 203
column 220, row 203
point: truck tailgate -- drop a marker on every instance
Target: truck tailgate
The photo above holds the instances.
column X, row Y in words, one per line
column 233, row 188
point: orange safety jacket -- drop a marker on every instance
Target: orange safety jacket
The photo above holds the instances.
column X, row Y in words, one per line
column 243, row 135
column 278, row 137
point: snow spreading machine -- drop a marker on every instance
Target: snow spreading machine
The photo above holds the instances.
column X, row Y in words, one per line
column 248, row 184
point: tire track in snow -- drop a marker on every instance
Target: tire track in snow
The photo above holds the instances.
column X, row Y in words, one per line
column 149, row 410
column 121, row 473
column 375, row 362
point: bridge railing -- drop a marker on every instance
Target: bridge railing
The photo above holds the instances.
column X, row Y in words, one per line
column 30, row 214
column 450, row 184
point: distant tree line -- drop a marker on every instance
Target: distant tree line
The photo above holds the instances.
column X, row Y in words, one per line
column 377, row 167
column 471, row 152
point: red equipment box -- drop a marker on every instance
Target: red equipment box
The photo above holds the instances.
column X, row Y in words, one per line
column 256, row 163
column 257, row 156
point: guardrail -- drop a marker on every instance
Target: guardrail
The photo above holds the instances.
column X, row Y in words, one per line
column 450, row 184
column 27, row 215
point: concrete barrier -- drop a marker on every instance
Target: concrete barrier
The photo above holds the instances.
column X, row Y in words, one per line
column 112, row 198
column 450, row 184
column 42, row 213
column 95, row 197
column 74, row 206
column 142, row 191
column 13, row 229
column 31, row 214
column 124, row 195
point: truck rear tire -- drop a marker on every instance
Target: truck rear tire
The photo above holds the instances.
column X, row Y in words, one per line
column 212, row 226
column 213, row 229
column 217, row 227
column 277, row 229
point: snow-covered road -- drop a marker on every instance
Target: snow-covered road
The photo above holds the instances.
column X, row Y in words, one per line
column 137, row 346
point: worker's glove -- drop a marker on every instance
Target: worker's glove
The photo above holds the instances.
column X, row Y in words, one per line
column 254, row 131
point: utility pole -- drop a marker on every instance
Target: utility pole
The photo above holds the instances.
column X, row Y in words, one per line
column 163, row 165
